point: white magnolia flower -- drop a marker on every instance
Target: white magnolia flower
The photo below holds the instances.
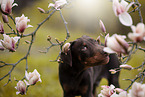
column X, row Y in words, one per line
column 9, row 42
column 21, row 23
column 21, row 87
column 138, row 90
column 120, row 9
column 138, row 32
column 32, row 77
column 107, row 91
column 6, row 6
column 116, row 44
column 58, row 4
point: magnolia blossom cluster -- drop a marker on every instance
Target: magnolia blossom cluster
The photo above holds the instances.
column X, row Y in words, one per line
column 121, row 10
column 137, row 90
column 111, row 91
column 117, row 44
column 32, row 78
column 6, row 8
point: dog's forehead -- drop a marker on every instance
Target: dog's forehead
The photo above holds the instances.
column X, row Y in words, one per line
column 85, row 39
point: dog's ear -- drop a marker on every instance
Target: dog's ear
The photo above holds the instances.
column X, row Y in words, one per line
column 66, row 56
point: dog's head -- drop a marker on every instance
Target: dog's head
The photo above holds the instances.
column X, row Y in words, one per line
column 85, row 50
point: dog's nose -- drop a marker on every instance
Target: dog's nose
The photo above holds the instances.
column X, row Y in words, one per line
column 105, row 53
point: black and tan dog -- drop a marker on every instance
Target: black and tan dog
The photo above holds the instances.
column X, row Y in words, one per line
column 84, row 64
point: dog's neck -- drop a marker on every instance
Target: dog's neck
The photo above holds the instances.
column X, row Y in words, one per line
column 78, row 66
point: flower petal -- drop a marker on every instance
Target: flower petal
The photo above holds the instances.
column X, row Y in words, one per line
column 124, row 3
column 127, row 8
column 108, row 50
column 51, row 5
column 15, row 4
column 125, row 19
column 27, row 75
column 29, row 26
column 140, row 28
column 16, row 39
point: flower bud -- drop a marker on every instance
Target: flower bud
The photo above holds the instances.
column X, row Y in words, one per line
column 41, row 10
column 5, row 18
column 1, row 28
column 48, row 38
column 112, row 71
column 102, row 26
column 21, row 87
column 125, row 66
column 98, row 40
column 65, row 47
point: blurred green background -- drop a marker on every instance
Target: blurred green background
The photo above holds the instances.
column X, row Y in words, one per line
column 83, row 19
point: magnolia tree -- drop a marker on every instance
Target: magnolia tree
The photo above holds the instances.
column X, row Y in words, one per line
column 113, row 44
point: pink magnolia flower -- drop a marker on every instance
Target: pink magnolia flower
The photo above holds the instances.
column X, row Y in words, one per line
column 21, row 87
column 107, row 91
column 6, row 6
column 9, row 42
column 32, row 77
column 120, row 9
column 138, row 33
column 116, row 44
column 21, row 23
column 58, row 4
column 138, row 90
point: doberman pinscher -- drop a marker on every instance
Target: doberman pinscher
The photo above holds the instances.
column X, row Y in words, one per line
column 83, row 65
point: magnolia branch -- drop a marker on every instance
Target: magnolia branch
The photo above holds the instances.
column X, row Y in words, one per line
column 29, row 49
column 60, row 44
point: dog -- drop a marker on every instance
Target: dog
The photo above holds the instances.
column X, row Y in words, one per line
column 83, row 65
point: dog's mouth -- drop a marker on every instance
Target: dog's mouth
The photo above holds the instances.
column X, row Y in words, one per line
column 97, row 60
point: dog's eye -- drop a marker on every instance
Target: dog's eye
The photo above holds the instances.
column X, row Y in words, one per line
column 84, row 48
